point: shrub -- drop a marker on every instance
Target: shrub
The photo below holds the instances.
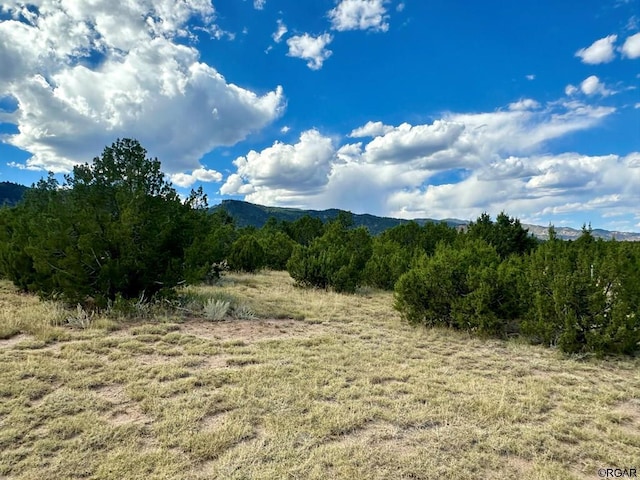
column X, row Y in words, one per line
column 457, row 287
column 336, row 259
column 115, row 227
column 246, row 254
column 277, row 248
column 216, row 310
column 388, row 261
column 585, row 297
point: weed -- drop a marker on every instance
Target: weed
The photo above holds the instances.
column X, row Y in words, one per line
column 216, row 310
column 80, row 318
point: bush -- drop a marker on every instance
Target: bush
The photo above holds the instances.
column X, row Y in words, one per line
column 115, row 227
column 457, row 287
column 246, row 254
column 336, row 259
column 388, row 261
column 277, row 248
column 585, row 297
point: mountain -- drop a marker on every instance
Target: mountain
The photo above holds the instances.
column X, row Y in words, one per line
column 567, row 233
column 249, row 214
column 11, row 193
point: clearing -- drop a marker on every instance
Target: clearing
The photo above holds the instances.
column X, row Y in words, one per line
column 319, row 386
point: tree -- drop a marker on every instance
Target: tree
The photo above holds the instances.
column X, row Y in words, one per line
column 246, row 254
column 304, row 230
column 115, row 227
column 585, row 296
column 336, row 259
column 210, row 247
column 277, row 247
column 507, row 234
column 457, row 287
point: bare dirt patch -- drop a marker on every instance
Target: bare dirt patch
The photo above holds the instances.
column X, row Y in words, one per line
column 629, row 412
column 251, row 330
column 10, row 342
column 125, row 411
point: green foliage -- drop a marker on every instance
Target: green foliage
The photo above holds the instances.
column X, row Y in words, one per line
column 456, row 287
column 277, row 247
column 395, row 249
column 205, row 257
column 115, row 227
column 585, row 296
column 388, row 261
column 336, row 259
column 304, row 230
column 246, row 254
column 506, row 234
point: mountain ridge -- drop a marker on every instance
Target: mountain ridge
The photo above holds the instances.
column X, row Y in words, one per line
column 252, row 214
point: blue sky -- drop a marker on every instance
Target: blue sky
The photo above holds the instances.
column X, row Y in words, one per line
column 406, row 108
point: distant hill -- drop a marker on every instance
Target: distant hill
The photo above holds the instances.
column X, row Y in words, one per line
column 249, row 214
column 11, row 193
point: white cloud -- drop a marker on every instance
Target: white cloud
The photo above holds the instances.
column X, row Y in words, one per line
column 259, row 4
column 371, row 129
column 310, row 48
column 401, row 6
column 631, row 47
column 592, row 85
column 524, row 104
column 235, row 186
column 600, row 51
column 198, row 175
column 407, row 143
column 280, row 32
column 457, row 166
column 570, row 90
column 530, row 77
column 303, row 167
column 285, row 129
column 359, row 15
column 85, row 73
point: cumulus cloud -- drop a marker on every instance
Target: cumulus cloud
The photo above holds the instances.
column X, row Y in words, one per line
column 310, row 48
column 85, row 73
column 631, row 46
column 592, row 86
column 360, row 15
column 570, row 90
column 302, row 167
column 198, row 175
column 524, row 104
column 259, row 4
column 457, row 166
column 600, row 51
column 407, row 143
column 371, row 129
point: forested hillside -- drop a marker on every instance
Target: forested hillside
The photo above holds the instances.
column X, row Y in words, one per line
column 11, row 193
column 248, row 214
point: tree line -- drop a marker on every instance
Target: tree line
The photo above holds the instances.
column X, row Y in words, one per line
column 117, row 229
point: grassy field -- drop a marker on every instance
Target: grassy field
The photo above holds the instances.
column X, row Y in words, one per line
column 318, row 386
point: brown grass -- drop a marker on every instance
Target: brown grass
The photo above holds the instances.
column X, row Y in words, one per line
column 320, row 386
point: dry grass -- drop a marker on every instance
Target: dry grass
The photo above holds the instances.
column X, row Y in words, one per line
column 319, row 386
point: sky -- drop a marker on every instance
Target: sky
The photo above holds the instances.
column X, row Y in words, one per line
column 402, row 108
